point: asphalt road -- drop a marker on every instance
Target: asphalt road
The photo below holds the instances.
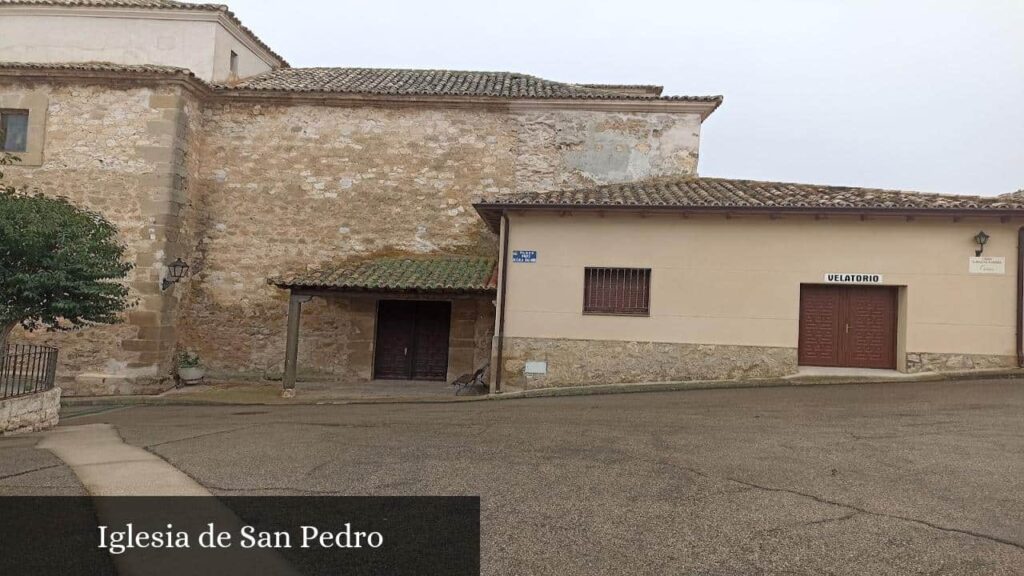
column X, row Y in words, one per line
column 912, row 478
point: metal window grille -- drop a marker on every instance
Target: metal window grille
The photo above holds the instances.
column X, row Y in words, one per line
column 26, row 369
column 625, row 291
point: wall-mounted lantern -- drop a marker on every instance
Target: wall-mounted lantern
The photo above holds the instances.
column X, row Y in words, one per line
column 175, row 272
column 981, row 238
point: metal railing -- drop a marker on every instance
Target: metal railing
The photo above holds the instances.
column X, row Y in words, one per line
column 26, row 369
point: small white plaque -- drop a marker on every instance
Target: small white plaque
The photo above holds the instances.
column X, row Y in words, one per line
column 987, row 265
column 852, row 278
column 536, row 368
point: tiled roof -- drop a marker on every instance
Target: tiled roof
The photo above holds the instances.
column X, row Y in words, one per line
column 443, row 274
column 543, row 90
column 722, row 194
column 649, row 89
column 115, row 3
column 96, row 67
column 154, row 4
column 384, row 81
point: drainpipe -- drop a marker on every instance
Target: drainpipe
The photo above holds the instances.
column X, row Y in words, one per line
column 501, row 308
column 1020, row 297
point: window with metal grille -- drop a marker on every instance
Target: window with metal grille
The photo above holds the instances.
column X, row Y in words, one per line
column 625, row 291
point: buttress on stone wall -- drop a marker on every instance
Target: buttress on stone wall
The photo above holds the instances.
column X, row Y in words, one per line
column 129, row 154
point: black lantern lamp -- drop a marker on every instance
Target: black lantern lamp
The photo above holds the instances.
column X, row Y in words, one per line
column 175, row 272
column 981, row 238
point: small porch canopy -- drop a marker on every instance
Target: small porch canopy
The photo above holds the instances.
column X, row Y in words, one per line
column 421, row 277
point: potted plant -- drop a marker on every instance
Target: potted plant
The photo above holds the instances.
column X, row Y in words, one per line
column 190, row 370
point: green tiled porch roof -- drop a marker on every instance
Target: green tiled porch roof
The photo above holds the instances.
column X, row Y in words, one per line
column 445, row 274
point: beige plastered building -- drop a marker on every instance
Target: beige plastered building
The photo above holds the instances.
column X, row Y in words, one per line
column 346, row 224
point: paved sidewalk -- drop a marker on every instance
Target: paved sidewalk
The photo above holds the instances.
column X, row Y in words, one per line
column 269, row 393
column 401, row 391
column 107, row 466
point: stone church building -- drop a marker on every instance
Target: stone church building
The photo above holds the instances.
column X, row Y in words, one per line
column 395, row 214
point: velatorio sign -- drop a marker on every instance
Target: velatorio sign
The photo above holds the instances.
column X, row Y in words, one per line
column 842, row 278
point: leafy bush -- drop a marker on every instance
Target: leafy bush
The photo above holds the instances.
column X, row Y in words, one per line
column 188, row 359
column 61, row 267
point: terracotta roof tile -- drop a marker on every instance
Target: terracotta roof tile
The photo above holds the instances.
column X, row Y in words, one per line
column 649, row 89
column 96, row 67
column 446, row 274
column 115, row 3
column 695, row 193
column 153, row 4
column 385, row 81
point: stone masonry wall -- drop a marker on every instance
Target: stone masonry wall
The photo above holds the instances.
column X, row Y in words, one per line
column 471, row 333
column 934, row 362
column 284, row 188
column 121, row 151
column 587, row 362
column 29, row 413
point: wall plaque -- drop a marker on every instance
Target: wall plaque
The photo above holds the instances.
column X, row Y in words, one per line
column 987, row 265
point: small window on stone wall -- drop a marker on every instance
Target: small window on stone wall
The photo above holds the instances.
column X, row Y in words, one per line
column 234, row 63
column 13, row 130
column 619, row 291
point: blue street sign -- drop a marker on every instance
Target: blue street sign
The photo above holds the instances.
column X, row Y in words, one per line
column 528, row 256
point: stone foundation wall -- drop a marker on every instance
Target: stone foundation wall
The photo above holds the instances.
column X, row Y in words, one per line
column 589, row 362
column 29, row 413
column 934, row 362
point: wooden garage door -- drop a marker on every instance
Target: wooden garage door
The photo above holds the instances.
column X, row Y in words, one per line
column 850, row 326
column 412, row 340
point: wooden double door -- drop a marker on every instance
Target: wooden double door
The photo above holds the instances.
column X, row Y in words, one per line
column 412, row 340
column 848, row 326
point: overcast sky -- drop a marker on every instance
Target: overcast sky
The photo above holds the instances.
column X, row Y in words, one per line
column 911, row 94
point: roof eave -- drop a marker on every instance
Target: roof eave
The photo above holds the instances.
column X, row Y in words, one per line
column 284, row 285
column 491, row 212
column 136, row 73
column 703, row 107
column 48, row 73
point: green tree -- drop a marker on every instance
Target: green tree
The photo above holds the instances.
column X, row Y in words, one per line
column 60, row 266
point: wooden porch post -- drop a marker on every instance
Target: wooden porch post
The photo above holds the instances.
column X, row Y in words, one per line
column 291, row 352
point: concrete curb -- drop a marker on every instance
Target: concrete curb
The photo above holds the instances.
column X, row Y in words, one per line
column 597, row 389
column 796, row 380
column 295, row 401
